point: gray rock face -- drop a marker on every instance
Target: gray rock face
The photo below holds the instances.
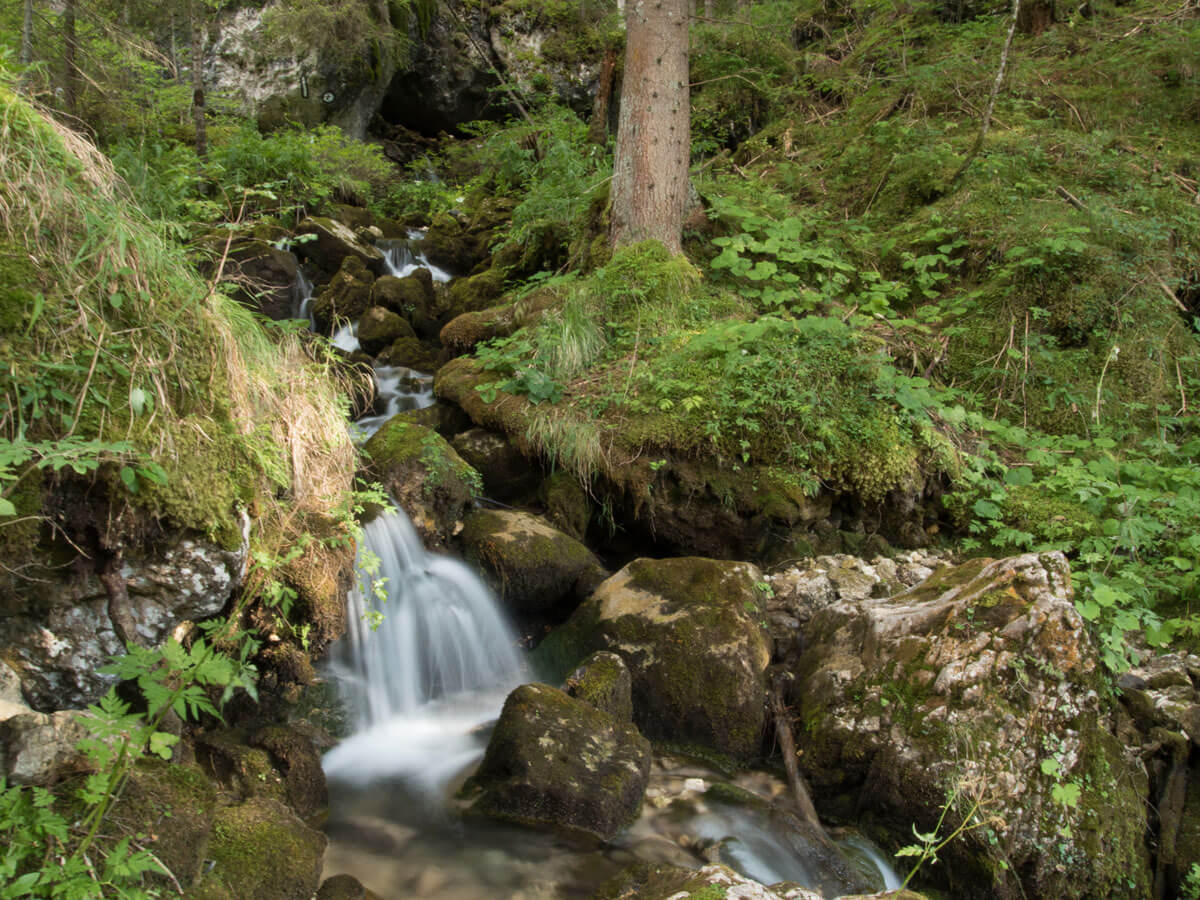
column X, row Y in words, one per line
column 558, row 762
column 692, row 634
column 56, row 653
column 39, row 748
column 981, row 684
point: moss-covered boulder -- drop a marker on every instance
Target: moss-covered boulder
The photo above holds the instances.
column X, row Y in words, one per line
column 412, row 297
column 692, row 632
column 426, row 477
column 603, row 680
column 344, row 887
column 345, row 298
column 296, row 758
column 447, row 244
column 411, row 353
column 979, row 684
column 333, row 243
column 557, row 762
column 174, row 806
column 447, row 419
column 467, row 329
column 475, row 292
column 507, row 474
column 567, row 504
column 533, row 565
column 260, row 850
column 379, row 328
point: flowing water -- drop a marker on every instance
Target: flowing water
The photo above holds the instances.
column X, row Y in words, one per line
column 424, row 669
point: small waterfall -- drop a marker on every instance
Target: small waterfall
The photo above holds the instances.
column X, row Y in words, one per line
column 437, row 666
column 402, row 260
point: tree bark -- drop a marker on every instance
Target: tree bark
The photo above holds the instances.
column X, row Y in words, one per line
column 598, row 126
column 198, row 100
column 650, row 167
column 991, row 104
column 70, row 59
column 27, row 34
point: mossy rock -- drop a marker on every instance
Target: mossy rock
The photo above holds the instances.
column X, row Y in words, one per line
column 533, row 565
column 242, row 770
column 411, row 297
column 262, row 851
column 447, row 245
column 566, row 503
column 447, row 419
column 557, row 762
column 424, row 474
column 691, row 631
column 294, row 755
column 603, row 680
column 344, row 887
column 321, row 575
column 379, row 328
column 976, row 676
column 334, row 243
column 462, row 333
column 346, row 297
column 475, row 292
column 175, row 806
column 507, row 474
column 411, row 353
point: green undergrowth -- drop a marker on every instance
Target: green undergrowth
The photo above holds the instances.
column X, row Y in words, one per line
column 861, row 313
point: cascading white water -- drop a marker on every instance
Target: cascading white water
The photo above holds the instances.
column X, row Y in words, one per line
column 437, row 667
column 401, row 260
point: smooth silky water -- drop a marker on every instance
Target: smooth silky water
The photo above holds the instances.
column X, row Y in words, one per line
column 423, row 670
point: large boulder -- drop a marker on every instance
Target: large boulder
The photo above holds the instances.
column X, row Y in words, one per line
column 379, row 328
column 426, row 477
column 41, row 748
column 533, row 565
column 264, row 276
column 557, row 762
column 977, row 689
column 333, row 242
column 692, row 632
column 346, row 297
column 412, row 297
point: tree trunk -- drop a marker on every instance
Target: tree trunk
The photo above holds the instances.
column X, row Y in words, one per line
column 27, row 35
column 70, row 59
column 650, row 167
column 198, row 102
column 598, row 126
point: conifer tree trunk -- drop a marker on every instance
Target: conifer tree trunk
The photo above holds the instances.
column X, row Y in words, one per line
column 650, row 168
column 27, row 34
column 70, row 58
column 598, row 126
column 198, row 102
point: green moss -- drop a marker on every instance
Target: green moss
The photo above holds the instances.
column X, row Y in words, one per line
column 260, row 849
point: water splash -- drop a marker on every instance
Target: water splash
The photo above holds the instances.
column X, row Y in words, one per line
column 438, row 666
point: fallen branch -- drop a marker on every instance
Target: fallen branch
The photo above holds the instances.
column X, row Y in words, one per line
column 787, row 746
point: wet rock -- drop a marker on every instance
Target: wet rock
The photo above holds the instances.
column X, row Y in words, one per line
column 412, row 297
column 689, row 630
column 260, row 849
column 557, row 762
column 603, row 680
column 243, row 771
column 334, row 242
column 57, row 649
column 447, row 244
column 475, row 292
column 422, row 472
column 507, row 474
column 379, row 328
column 980, row 683
column 345, row 298
column 534, row 565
